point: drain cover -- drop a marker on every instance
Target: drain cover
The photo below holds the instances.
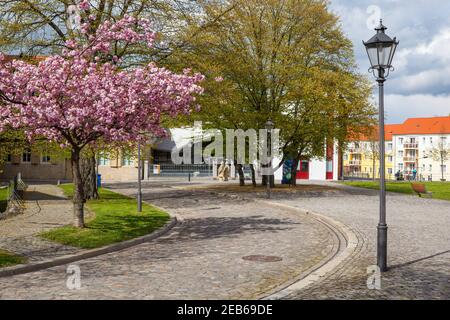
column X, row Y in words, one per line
column 262, row 258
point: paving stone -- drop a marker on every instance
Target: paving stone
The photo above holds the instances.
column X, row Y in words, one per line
column 200, row 259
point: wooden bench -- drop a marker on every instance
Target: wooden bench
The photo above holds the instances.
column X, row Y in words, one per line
column 421, row 190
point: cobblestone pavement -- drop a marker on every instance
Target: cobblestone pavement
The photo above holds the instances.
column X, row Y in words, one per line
column 46, row 208
column 418, row 246
column 201, row 258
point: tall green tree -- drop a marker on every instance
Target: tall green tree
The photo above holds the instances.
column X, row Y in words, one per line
column 287, row 60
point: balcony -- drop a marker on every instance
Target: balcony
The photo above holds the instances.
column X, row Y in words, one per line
column 409, row 159
column 410, row 146
column 354, row 162
column 354, row 150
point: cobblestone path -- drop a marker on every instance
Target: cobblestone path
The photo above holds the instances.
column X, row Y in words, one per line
column 418, row 246
column 201, row 258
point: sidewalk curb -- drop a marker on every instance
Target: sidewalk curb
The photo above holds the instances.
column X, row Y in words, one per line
column 324, row 267
column 21, row 269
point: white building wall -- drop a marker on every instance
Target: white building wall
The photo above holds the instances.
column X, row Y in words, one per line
column 317, row 169
column 427, row 167
column 336, row 162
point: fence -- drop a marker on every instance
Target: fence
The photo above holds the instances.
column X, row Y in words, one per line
column 15, row 196
column 184, row 170
column 181, row 170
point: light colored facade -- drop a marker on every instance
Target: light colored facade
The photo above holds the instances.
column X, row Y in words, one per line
column 359, row 159
column 411, row 146
column 36, row 166
column 416, row 152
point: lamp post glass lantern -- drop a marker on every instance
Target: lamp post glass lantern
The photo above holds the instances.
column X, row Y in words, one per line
column 380, row 50
column 269, row 126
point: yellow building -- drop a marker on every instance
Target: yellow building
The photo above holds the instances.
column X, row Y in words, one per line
column 361, row 159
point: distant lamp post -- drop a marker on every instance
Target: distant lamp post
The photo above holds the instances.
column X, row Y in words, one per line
column 139, row 195
column 269, row 126
column 381, row 49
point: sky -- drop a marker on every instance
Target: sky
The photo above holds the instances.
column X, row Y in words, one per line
column 420, row 84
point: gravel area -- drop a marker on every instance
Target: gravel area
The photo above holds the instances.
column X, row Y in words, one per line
column 46, row 208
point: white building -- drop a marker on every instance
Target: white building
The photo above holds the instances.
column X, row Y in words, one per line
column 420, row 145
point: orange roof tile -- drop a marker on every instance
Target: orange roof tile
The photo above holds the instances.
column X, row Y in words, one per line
column 434, row 125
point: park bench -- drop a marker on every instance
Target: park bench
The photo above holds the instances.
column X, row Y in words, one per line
column 421, row 190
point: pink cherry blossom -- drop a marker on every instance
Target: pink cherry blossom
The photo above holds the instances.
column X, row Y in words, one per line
column 76, row 100
column 83, row 5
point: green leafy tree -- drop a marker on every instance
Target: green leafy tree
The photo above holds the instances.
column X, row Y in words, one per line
column 282, row 60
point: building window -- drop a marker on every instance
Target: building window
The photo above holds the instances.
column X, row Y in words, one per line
column 45, row 158
column 390, row 170
column 127, row 161
column 400, row 154
column 390, row 158
column 103, row 161
column 424, row 140
column 400, row 166
column 389, row 146
column 400, row 140
column 8, row 158
column 345, row 157
column 26, row 156
column 430, row 168
column 431, row 140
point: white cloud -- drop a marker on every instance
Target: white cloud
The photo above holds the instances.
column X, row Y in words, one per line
column 438, row 47
column 400, row 107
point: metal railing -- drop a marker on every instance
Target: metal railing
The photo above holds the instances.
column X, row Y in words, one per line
column 15, row 194
column 354, row 162
column 177, row 170
column 410, row 146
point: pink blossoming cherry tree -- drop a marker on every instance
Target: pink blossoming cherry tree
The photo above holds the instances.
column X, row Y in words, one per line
column 75, row 100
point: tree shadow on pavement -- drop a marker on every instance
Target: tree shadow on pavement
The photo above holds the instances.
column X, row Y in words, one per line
column 36, row 195
column 228, row 227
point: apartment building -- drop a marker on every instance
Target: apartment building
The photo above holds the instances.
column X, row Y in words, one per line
column 361, row 158
column 423, row 144
column 419, row 145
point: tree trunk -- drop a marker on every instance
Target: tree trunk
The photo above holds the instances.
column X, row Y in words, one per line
column 272, row 181
column 240, row 171
column 373, row 169
column 341, row 161
column 294, row 172
column 89, row 176
column 252, row 168
column 78, row 194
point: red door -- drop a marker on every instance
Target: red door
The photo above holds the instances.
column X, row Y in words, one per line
column 330, row 170
column 303, row 170
column 329, row 163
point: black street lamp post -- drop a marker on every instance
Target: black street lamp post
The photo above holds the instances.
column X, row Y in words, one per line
column 269, row 126
column 381, row 49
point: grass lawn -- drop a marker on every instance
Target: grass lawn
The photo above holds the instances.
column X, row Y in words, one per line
column 441, row 190
column 116, row 219
column 8, row 259
column 3, row 203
